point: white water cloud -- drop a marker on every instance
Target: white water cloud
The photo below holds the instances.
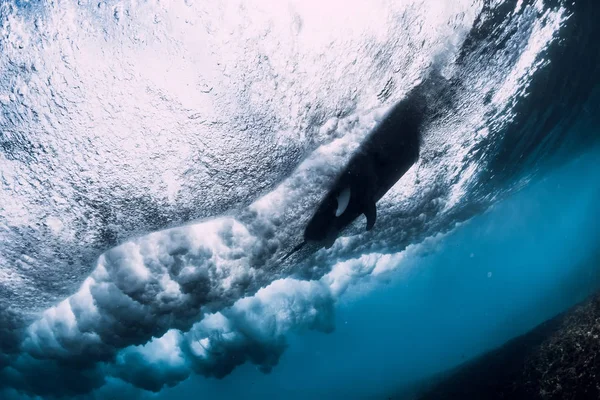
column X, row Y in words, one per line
column 209, row 296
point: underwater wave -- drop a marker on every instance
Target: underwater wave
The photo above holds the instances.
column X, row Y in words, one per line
column 123, row 121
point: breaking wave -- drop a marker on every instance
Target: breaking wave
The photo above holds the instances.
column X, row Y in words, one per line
column 157, row 160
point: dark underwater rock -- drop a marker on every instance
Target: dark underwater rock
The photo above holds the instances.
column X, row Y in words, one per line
column 559, row 359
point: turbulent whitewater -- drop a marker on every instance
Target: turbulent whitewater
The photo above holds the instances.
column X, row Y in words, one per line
column 159, row 159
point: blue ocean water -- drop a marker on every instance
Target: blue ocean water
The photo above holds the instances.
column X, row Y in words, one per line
column 494, row 277
column 157, row 161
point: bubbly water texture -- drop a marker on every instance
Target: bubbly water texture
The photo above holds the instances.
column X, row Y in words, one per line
column 158, row 159
column 120, row 119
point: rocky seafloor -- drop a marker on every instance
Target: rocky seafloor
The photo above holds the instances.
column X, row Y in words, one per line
column 559, row 359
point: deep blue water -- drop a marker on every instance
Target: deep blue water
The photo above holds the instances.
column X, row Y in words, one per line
column 493, row 278
column 134, row 209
